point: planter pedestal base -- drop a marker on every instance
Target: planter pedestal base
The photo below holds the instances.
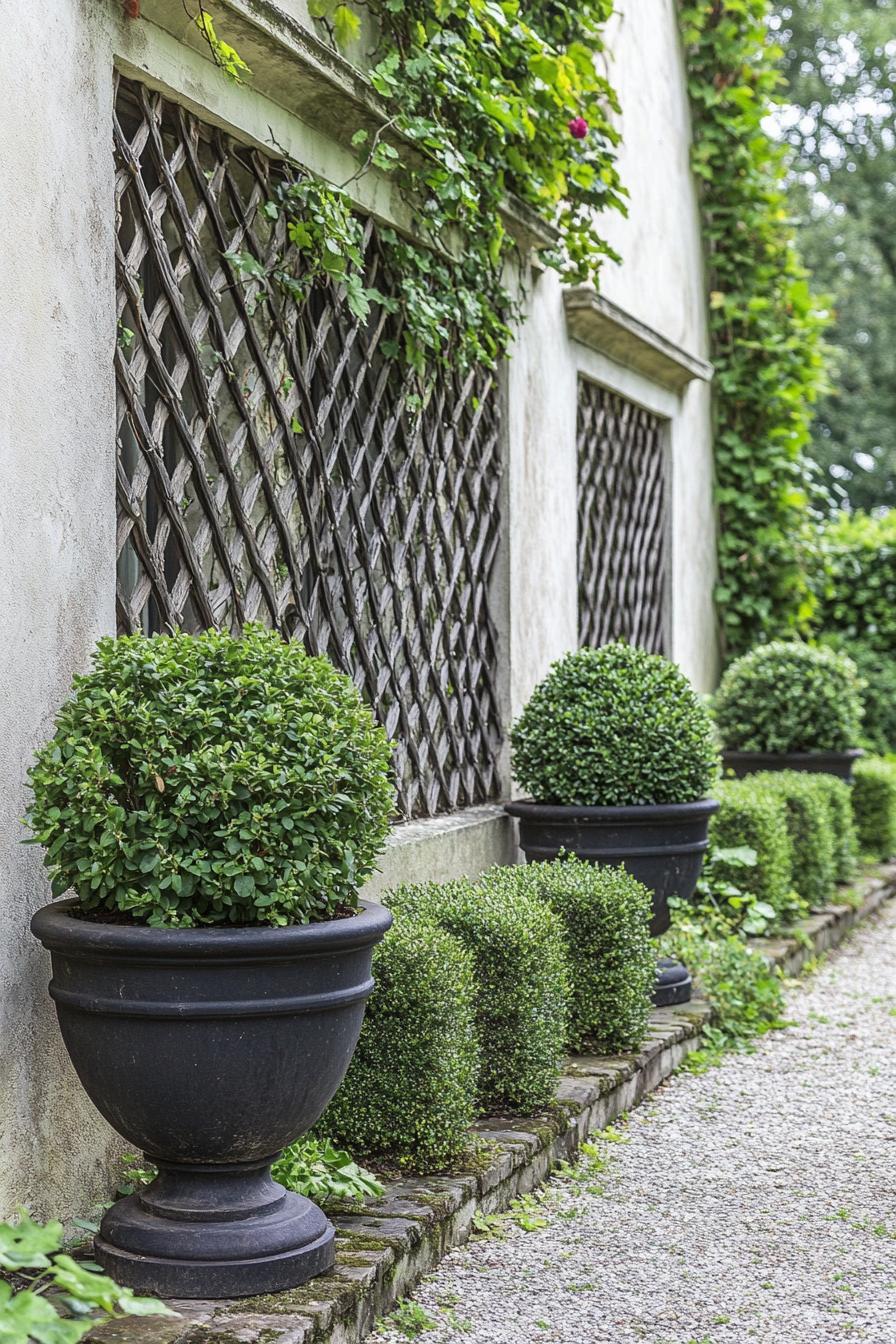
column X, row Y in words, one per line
column 214, row 1231
column 673, row 983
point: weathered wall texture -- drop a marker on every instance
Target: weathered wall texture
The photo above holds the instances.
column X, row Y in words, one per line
column 661, row 281
column 57, row 507
column 57, row 522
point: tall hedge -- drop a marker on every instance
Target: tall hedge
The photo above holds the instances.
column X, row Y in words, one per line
column 765, row 328
column 522, row 984
column 877, row 672
column 605, row 914
column 409, row 1094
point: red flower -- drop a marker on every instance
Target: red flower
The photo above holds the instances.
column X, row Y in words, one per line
column 578, row 128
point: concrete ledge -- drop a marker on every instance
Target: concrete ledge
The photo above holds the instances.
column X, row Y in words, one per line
column 609, row 329
column 389, row 1244
column 459, row 844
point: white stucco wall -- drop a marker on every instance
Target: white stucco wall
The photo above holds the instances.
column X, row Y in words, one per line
column 57, row 437
column 660, row 280
column 57, row 521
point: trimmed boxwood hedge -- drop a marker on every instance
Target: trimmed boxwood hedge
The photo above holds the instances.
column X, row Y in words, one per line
column 612, row 960
column 874, row 806
column 408, row 1096
column 750, row 815
column 838, row 797
column 522, row 984
column 808, row 816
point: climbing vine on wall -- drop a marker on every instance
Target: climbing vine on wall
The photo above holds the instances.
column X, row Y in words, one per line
column 485, row 100
column 766, row 330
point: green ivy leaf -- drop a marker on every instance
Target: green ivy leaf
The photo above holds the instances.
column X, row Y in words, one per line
column 346, row 25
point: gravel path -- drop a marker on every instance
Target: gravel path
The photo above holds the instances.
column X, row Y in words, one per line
column 757, row 1201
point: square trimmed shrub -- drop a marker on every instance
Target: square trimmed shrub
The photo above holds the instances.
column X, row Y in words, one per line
column 838, row 797
column 409, row 1094
column 522, row 984
column 874, row 806
column 752, row 816
column 808, row 815
column 612, row 960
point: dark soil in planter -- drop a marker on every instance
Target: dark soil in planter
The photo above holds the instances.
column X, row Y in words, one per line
column 839, row 763
column 210, row 1050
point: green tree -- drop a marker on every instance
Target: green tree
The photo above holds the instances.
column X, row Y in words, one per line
column 839, row 65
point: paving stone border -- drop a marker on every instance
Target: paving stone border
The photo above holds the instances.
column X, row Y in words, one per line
column 385, row 1248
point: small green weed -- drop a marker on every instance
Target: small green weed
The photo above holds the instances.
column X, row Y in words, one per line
column 409, row 1319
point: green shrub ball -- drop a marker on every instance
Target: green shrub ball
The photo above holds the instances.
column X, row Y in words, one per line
column 605, row 914
column 614, row 727
column 409, row 1095
column 522, row 984
column 790, row 697
column 203, row 779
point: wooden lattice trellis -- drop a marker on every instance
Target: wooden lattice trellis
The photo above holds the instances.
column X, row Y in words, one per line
column 269, row 467
column 622, row 521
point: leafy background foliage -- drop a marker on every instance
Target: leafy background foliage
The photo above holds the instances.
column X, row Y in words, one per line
column 202, row 779
column 766, row 329
column 611, row 727
column 855, row 577
column 839, row 66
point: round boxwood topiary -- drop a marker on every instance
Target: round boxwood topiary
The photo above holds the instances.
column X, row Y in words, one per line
column 789, row 697
column 522, row 984
column 202, row 779
column 606, row 915
column 613, row 727
column 409, row 1094
column 813, row 870
column 754, row 818
column 874, row 807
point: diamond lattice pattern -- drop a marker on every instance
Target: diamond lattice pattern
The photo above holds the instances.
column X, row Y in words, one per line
column 622, row 548
column 273, row 464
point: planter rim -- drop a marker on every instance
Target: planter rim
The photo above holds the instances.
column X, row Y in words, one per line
column 527, row 810
column 852, row 753
column 55, row 927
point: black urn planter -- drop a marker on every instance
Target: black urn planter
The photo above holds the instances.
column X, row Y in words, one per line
column 210, row 1050
column 839, row 763
column 662, row 845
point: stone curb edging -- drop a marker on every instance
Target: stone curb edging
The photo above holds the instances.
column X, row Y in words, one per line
column 385, row 1248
